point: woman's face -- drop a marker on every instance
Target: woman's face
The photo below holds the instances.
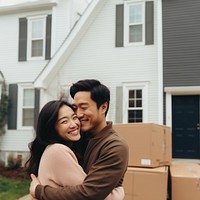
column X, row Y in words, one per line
column 68, row 124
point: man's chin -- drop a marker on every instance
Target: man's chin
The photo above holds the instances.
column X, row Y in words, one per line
column 85, row 128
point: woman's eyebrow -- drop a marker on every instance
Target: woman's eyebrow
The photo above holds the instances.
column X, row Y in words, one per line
column 62, row 118
column 74, row 106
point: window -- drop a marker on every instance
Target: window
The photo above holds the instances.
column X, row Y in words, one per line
column 134, row 21
column 135, row 106
column 26, row 102
column 28, row 107
column 135, row 102
column 35, row 38
column 23, row 106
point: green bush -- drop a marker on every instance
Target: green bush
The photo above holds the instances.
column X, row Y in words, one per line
column 14, row 163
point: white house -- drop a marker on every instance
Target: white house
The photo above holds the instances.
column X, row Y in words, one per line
column 118, row 42
column 32, row 31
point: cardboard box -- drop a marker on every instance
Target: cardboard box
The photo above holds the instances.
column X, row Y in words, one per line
column 149, row 144
column 185, row 181
column 146, row 183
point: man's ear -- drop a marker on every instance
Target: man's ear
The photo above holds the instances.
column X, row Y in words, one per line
column 104, row 107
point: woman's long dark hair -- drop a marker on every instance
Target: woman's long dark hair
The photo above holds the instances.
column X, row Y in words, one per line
column 45, row 133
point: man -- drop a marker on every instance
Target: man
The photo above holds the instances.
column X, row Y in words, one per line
column 106, row 155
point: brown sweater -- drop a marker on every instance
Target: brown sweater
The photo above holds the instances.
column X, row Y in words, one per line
column 105, row 163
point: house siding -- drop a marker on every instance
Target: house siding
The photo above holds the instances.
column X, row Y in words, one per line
column 13, row 70
column 181, row 43
column 64, row 15
column 97, row 57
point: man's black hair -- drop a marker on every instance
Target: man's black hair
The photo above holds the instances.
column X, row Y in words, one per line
column 99, row 92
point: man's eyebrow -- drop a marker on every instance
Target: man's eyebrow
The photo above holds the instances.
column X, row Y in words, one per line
column 80, row 104
column 83, row 104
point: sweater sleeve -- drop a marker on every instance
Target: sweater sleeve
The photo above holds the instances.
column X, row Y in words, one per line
column 116, row 194
column 105, row 175
column 59, row 167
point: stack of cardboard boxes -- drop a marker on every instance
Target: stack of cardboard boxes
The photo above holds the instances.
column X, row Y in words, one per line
column 151, row 174
column 150, row 155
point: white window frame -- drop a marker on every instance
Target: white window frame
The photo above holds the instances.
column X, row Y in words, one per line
column 21, row 88
column 135, row 86
column 127, row 4
column 29, row 39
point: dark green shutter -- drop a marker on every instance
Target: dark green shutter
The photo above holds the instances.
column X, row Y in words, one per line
column 119, row 104
column 12, row 106
column 149, row 23
column 119, row 38
column 37, row 106
column 22, row 51
column 48, row 38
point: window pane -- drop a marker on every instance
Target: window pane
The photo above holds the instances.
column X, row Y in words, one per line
column 131, row 103
column 139, row 93
column 131, row 93
column 134, row 116
column 37, row 29
column 131, row 115
column 28, row 116
column 37, row 48
column 138, row 103
column 135, row 14
column 139, row 116
column 28, row 97
column 135, row 33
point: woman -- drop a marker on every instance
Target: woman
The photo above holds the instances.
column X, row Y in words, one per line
column 52, row 157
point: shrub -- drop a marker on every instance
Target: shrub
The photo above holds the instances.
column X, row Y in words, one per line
column 2, row 164
column 13, row 162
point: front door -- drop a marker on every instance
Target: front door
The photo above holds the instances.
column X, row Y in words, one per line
column 185, row 127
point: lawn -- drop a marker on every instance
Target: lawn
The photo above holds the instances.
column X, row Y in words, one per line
column 13, row 188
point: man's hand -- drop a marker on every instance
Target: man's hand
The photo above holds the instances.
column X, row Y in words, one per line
column 33, row 185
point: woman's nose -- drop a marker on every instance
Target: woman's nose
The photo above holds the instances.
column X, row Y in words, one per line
column 73, row 123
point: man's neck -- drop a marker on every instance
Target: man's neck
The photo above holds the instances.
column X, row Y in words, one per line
column 98, row 129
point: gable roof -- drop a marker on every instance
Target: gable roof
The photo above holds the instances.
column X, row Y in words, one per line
column 75, row 35
column 22, row 6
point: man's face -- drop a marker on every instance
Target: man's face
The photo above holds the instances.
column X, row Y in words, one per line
column 92, row 119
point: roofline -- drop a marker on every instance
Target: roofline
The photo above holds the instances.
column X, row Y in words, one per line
column 58, row 60
column 27, row 6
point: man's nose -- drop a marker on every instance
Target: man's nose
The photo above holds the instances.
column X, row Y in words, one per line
column 79, row 113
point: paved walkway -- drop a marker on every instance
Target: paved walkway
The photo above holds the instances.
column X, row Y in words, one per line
column 26, row 197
